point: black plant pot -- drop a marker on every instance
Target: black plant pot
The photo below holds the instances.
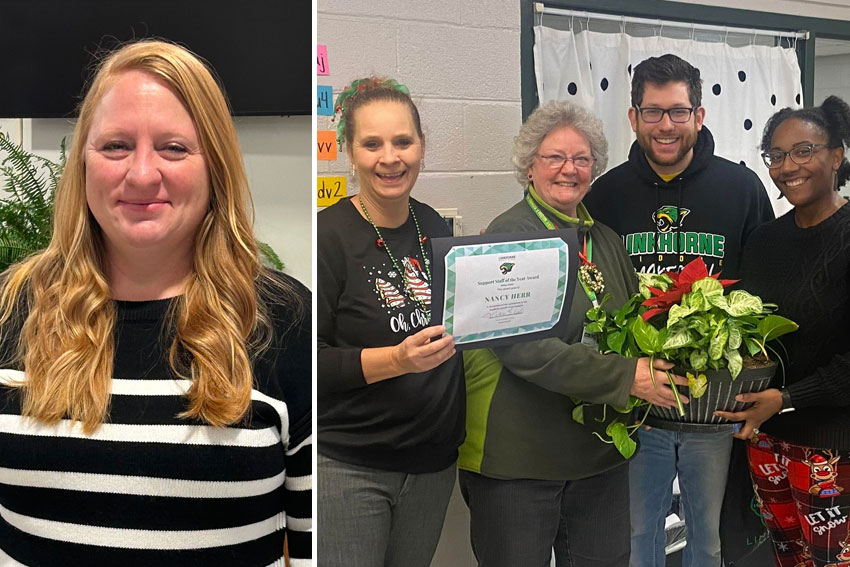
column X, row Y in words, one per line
column 719, row 395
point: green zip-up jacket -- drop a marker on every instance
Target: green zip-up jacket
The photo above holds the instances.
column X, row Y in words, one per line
column 519, row 413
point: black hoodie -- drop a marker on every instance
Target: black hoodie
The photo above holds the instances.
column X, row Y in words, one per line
column 708, row 210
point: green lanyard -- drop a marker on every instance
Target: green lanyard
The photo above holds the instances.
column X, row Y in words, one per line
column 585, row 256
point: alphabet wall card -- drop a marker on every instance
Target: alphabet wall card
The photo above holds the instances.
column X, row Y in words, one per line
column 324, row 100
column 326, row 145
column 329, row 190
column 322, row 60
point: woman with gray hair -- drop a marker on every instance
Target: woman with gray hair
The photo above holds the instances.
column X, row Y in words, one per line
column 535, row 479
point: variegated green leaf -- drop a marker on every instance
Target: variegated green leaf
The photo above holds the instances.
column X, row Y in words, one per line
column 697, row 385
column 594, row 328
column 718, row 342
column 742, row 303
column 699, row 359
column 700, row 325
column 719, row 301
column 658, row 281
column 677, row 337
column 735, row 336
column 678, row 312
column 733, row 357
column 697, row 301
column 708, row 287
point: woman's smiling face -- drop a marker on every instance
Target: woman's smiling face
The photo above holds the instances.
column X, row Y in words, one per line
column 386, row 150
column 806, row 184
column 147, row 181
column 563, row 187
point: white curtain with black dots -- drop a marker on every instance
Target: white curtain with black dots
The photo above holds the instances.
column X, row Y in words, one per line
column 742, row 87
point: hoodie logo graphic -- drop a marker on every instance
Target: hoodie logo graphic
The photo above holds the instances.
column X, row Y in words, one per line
column 668, row 216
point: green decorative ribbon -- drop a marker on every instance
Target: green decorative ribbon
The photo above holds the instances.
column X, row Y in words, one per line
column 351, row 91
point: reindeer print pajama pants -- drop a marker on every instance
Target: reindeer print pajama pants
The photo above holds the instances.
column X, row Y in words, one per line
column 804, row 497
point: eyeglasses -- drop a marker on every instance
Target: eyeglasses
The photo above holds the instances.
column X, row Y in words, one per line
column 799, row 155
column 679, row 114
column 555, row 161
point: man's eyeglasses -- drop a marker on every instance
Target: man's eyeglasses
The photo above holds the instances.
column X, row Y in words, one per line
column 679, row 114
column 799, row 155
column 555, row 161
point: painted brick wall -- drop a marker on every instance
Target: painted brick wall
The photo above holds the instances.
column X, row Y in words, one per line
column 460, row 59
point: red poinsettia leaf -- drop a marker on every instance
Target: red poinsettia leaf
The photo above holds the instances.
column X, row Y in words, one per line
column 656, row 302
column 655, row 291
column 693, row 271
column 652, row 313
column 674, row 276
column 667, row 298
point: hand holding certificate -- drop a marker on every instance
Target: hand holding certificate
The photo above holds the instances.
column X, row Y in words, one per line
column 498, row 289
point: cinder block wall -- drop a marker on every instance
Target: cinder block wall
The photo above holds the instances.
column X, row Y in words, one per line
column 460, row 59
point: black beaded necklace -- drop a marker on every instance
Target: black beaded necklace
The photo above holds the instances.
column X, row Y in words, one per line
column 382, row 243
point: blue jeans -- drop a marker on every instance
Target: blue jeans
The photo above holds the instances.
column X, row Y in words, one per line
column 702, row 463
column 374, row 518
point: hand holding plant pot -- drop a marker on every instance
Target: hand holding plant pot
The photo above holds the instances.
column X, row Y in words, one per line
column 765, row 405
column 710, row 337
column 652, row 388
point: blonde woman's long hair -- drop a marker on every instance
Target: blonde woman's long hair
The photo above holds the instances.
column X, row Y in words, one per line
column 66, row 345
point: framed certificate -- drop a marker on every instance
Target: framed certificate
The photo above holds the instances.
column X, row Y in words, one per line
column 497, row 289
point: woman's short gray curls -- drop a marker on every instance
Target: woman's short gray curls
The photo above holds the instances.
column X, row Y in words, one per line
column 551, row 116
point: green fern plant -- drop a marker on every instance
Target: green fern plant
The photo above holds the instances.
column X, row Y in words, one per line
column 26, row 212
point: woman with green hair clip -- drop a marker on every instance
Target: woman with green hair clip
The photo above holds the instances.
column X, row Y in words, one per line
column 390, row 386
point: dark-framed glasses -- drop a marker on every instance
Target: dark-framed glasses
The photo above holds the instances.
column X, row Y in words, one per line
column 679, row 114
column 799, row 154
column 556, row 161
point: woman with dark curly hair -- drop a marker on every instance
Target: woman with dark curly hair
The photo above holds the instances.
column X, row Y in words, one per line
column 801, row 261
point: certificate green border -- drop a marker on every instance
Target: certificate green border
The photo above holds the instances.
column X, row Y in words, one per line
column 503, row 248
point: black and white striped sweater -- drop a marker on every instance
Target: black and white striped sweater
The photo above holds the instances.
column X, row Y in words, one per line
column 150, row 489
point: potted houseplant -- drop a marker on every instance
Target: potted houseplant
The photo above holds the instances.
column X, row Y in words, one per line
column 26, row 211
column 718, row 340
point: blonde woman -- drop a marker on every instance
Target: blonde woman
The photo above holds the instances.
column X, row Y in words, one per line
column 156, row 408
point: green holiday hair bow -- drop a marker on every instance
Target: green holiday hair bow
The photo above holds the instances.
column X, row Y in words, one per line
column 351, row 91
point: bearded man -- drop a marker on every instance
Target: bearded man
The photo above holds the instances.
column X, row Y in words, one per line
column 671, row 202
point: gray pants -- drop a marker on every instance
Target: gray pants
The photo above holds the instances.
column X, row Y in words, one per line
column 519, row 522
column 373, row 518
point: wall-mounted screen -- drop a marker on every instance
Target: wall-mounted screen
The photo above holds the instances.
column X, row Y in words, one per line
column 259, row 48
